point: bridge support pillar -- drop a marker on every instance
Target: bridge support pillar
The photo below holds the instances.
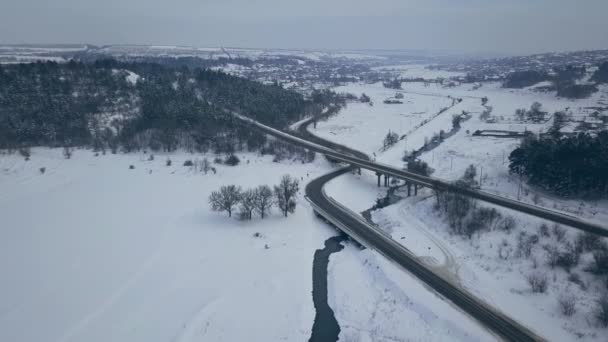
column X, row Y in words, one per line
column 386, row 180
column 415, row 189
column 409, row 189
column 379, row 175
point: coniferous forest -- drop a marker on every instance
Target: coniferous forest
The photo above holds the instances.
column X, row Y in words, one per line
column 566, row 165
column 111, row 104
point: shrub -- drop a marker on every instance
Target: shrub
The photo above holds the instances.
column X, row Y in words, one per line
column 25, row 152
column 217, row 160
column 232, row 160
column 587, row 242
column 538, row 282
column 525, row 244
column 131, row 167
column 559, row 232
column 67, row 152
column 188, row 163
column 42, row 170
column 600, row 260
column 168, row 162
column 151, row 157
column 567, row 304
column 507, row 224
column 576, row 279
column 602, row 310
column 543, row 229
column 552, row 255
column 567, row 258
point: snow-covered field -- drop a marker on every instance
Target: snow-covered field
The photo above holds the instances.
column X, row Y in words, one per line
column 353, row 126
column 475, row 264
column 91, row 250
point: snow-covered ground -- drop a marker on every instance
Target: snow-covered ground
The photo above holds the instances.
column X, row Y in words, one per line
column 375, row 300
column 91, row 250
column 475, row 264
column 353, row 126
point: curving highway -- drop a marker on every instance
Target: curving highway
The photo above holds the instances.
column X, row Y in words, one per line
column 359, row 161
column 374, row 238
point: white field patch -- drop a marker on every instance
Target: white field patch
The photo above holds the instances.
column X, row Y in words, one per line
column 375, row 300
column 364, row 127
column 475, row 263
column 91, row 250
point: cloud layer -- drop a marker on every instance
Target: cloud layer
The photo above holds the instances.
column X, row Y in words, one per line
column 471, row 26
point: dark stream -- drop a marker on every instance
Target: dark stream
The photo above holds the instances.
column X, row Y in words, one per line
column 325, row 326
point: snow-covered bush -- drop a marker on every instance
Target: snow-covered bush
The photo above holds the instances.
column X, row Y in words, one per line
column 525, row 244
column 188, row 163
column 67, row 152
column 567, row 304
column 507, row 224
column 25, row 152
column 568, row 257
column 552, row 255
column 538, row 282
column 232, row 160
column 559, row 232
column 575, row 278
column 543, row 229
column 602, row 310
column 600, row 259
column 587, row 242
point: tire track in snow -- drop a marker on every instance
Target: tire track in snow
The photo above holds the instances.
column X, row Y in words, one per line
column 119, row 292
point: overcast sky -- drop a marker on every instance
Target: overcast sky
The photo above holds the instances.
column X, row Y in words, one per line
column 470, row 26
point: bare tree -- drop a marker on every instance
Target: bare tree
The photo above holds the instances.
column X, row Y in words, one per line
column 205, row 165
column 225, row 199
column 263, row 200
column 248, row 198
column 285, row 193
